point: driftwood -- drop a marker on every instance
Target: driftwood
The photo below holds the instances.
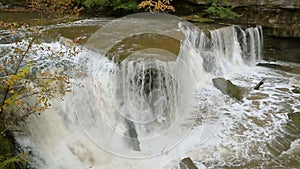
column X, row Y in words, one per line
column 259, row 84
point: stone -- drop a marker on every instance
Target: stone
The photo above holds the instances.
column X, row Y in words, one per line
column 132, row 135
column 4, row 6
column 187, row 163
column 228, row 88
column 296, row 89
column 295, row 118
column 257, row 96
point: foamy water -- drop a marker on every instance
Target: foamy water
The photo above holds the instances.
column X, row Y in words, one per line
column 181, row 114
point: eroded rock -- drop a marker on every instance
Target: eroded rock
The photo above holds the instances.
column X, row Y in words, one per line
column 187, row 163
column 228, row 88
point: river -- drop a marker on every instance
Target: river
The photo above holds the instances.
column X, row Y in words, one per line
column 136, row 112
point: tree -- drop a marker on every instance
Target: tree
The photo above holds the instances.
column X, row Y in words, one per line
column 26, row 87
column 112, row 5
column 56, row 8
column 156, row 5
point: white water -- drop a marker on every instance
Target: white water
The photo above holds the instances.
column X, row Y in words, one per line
column 177, row 114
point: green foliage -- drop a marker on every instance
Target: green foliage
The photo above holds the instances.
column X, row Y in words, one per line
column 8, row 161
column 223, row 12
column 114, row 5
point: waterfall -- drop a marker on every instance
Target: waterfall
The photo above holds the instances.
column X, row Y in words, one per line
column 227, row 49
column 138, row 108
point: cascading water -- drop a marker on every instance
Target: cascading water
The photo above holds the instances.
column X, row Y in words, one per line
column 147, row 113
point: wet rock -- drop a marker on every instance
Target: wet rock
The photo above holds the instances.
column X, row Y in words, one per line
column 80, row 40
column 8, row 39
column 66, row 42
column 283, row 89
column 295, row 118
column 257, row 121
column 228, row 88
column 296, row 90
column 258, row 96
column 132, row 135
column 291, row 69
column 4, row 6
column 197, row 18
column 187, row 163
column 279, row 48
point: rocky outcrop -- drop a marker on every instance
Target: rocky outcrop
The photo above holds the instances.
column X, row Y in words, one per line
column 278, row 17
column 290, row 69
column 290, row 4
column 282, row 48
column 277, row 21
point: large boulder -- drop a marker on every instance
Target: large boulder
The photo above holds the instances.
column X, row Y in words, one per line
column 228, row 88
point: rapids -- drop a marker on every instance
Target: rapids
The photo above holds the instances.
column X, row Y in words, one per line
column 151, row 113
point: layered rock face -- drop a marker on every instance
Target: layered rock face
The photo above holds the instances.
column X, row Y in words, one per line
column 291, row 4
column 279, row 17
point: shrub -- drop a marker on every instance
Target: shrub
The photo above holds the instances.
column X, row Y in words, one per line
column 156, row 5
column 111, row 5
column 219, row 11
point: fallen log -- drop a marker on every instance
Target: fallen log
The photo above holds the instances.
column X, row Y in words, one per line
column 259, row 84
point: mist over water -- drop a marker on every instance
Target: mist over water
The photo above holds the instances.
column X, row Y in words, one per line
column 145, row 112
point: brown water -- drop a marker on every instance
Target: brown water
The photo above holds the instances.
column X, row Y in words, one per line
column 276, row 92
column 25, row 17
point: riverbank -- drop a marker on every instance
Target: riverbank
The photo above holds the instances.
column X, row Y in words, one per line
column 281, row 19
column 275, row 47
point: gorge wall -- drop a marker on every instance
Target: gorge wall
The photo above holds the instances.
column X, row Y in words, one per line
column 278, row 17
column 280, row 20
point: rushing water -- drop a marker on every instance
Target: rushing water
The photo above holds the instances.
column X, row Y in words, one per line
column 151, row 113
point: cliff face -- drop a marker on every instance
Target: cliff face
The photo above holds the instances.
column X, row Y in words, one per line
column 279, row 17
column 291, row 4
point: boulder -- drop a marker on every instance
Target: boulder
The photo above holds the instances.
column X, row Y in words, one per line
column 296, row 89
column 295, row 119
column 187, row 163
column 228, row 88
